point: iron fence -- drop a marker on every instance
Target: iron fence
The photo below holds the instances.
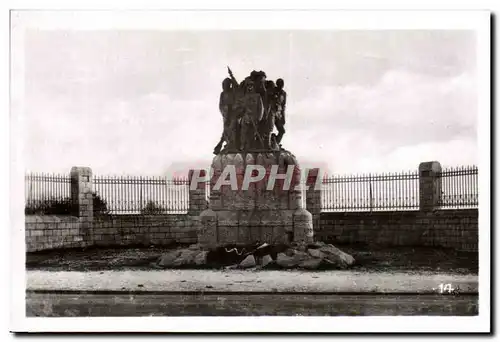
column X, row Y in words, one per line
column 143, row 195
column 46, row 191
column 50, row 193
column 459, row 187
column 392, row 191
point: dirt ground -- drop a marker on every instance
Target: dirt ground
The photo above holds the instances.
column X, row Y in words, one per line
column 368, row 259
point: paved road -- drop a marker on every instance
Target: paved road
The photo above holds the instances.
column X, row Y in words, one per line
column 245, row 304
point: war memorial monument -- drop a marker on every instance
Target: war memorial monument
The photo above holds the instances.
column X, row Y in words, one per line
column 255, row 206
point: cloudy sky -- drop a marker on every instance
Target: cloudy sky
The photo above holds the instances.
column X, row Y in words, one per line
column 146, row 102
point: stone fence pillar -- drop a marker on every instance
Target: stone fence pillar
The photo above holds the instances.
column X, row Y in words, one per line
column 313, row 197
column 429, row 185
column 82, row 199
column 197, row 196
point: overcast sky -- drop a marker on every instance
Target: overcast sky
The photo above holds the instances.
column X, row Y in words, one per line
column 146, row 102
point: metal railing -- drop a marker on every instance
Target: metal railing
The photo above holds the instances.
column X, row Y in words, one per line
column 459, row 187
column 158, row 195
column 391, row 191
column 45, row 191
column 143, row 195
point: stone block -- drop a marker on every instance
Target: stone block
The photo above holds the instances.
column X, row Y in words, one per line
column 287, row 216
column 175, row 229
column 159, row 236
column 249, row 218
column 245, row 199
column 228, row 218
column 281, row 198
column 255, row 233
column 30, row 219
column 216, row 200
column 267, row 234
column 228, row 197
column 37, row 232
column 180, row 223
column 187, row 240
column 244, row 234
column 269, row 199
column 227, row 235
column 280, row 234
column 271, row 218
column 192, row 233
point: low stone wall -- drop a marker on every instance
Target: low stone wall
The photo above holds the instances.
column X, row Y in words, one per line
column 56, row 232
column 123, row 230
column 52, row 232
column 457, row 229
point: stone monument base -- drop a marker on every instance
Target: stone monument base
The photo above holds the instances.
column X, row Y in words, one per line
column 255, row 214
column 243, row 227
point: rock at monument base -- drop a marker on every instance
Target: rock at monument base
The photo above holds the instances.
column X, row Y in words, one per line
column 300, row 246
column 286, row 261
column 187, row 257
column 300, row 255
column 266, row 260
column 248, row 262
column 269, row 256
column 182, row 258
column 316, row 244
column 335, row 256
column 167, row 259
column 316, row 253
column 194, row 247
column 311, row 264
column 201, row 258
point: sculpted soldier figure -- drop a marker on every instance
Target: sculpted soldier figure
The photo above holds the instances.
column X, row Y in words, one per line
column 226, row 103
column 280, row 98
column 260, row 83
column 259, row 79
column 236, row 87
column 268, row 122
column 251, row 110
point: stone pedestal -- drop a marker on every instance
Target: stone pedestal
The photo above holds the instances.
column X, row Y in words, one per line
column 264, row 211
column 430, row 185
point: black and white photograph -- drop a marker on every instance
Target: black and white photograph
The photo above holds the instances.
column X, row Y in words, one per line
column 176, row 167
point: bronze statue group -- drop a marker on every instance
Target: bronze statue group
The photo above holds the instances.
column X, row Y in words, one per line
column 250, row 111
